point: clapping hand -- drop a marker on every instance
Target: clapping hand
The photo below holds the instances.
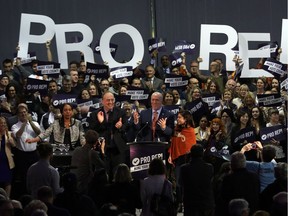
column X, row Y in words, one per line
column 119, row 124
column 100, row 116
column 162, row 123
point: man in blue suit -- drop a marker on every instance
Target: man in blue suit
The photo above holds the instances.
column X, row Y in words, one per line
column 155, row 123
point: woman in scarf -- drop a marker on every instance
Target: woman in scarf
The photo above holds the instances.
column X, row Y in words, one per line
column 181, row 143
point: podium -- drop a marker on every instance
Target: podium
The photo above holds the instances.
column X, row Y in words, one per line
column 142, row 153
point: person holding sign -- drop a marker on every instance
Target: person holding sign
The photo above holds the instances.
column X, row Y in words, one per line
column 155, row 123
column 182, row 141
column 67, row 130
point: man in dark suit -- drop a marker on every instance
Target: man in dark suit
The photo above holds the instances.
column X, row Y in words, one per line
column 196, row 180
column 110, row 122
column 163, row 126
column 150, row 81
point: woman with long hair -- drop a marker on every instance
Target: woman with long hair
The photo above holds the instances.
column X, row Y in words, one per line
column 215, row 144
column 181, row 143
column 257, row 119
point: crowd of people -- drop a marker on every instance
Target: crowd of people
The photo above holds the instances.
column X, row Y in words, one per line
column 217, row 158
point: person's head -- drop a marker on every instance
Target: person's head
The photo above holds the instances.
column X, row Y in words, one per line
column 168, row 98
column 212, row 87
column 268, row 153
column 104, row 85
column 122, row 174
column 108, row 101
column 261, row 213
column 45, row 194
column 256, row 112
column 39, row 212
column 165, row 61
column 261, row 83
column 136, row 82
column 249, row 100
column 82, row 67
column 33, row 206
column 157, row 167
column 156, row 100
column 11, row 91
column 243, row 90
column 175, row 70
column 238, row 207
column 195, row 93
column 91, row 137
column 6, row 207
column 185, row 119
column 45, row 150
column 281, row 171
column 7, row 65
column 52, row 87
column 273, row 114
column 3, row 125
column 93, row 90
column 74, row 76
column 73, row 65
column 128, row 109
column 238, row 160
column 275, row 83
column 123, row 90
column 216, row 126
column 66, row 111
column 227, row 95
column 227, row 116
column 243, row 117
column 214, row 67
column 176, row 94
column 4, row 80
column 22, row 112
column 230, row 85
column 193, row 82
column 203, row 123
column 149, row 71
column 197, row 151
column 194, row 67
column 84, row 94
column 67, row 83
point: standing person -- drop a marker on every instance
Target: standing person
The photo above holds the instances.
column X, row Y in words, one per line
column 42, row 173
column 6, row 159
column 66, row 130
column 196, row 180
column 110, row 122
column 154, row 184
column 240, row 183
column 87, row 159
column 181, row 143
column 24, row 154
column 150, row 81
column 156, row 123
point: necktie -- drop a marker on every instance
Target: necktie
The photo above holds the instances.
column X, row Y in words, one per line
column 154, row 123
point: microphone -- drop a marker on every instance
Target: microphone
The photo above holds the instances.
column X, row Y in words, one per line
column 146, row 123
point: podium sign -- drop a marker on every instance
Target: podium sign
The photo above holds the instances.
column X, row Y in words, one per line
column 142, row 153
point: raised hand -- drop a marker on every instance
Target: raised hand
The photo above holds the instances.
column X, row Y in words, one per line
column 100, row 116
column 119, row 124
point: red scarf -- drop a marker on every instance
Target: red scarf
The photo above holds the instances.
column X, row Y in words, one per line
column 182, row 142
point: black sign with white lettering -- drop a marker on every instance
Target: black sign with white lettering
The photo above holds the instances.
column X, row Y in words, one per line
column 51, row 69
column 184, row 46
column 175, row 59
column 245, row 134
column 34, row 85
column 196, row 107
column 173, row 108
column 113, row 48
column 272, row 46
column 121, row 72
column 176, row 81
column 101, row 71
column 156, row 44
column 274, row 67
column 269, row 100
column 211, row 99
column 269, row 133
column 59, row 99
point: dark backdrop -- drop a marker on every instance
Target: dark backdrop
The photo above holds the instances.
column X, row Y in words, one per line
column 176, row 20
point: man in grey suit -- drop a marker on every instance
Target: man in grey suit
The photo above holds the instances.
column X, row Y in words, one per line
column 150, row 81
